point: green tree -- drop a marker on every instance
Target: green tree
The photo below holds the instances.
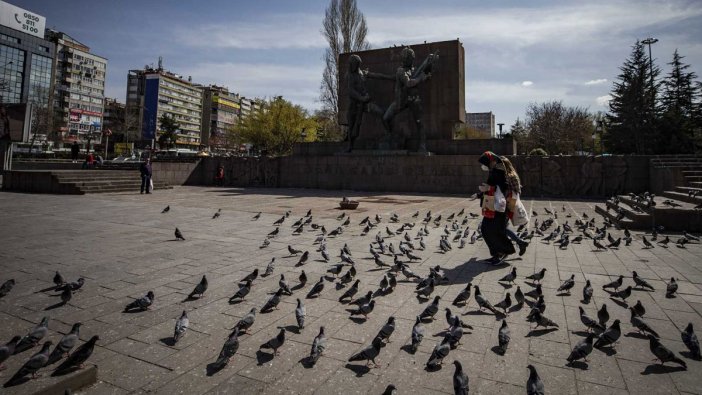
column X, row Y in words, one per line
column 557, row 128
column 520, row 134
column 633, row 113
column 168, row 127
column 275, row 127
column 680, row 108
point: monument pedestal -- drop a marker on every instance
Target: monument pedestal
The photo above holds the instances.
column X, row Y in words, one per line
column 364, row 152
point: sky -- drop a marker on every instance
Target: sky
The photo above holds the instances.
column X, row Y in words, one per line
column 516, row 52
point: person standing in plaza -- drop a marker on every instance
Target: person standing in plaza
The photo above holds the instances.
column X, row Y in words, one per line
column 494, row 208
column 75, row 149
column 145, row 170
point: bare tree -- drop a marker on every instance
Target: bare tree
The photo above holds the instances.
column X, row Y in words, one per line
column 345, row 30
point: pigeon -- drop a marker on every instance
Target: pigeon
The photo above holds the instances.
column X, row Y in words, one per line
column 519, row 296
column 662, row 353
column 273, row 233
column 181, row 326
column 610, row 335
column 58, row 279
column 350, row 293
column 200, row 288
column 671, row 288
column 230, row 347
column 34, row 336
column 293, row 251
column 623, row 294
column 364, row 309
column 440, row 352
column 304, row 257
column 426, row 291
column 36, row 362
column 639, row 309
column 460, row 380
column 217, row 214
column 503, row 337
column 250, row 277
column 142, row 303
column 247, row 321
column 325, row 256
column 273, row 301
column 590, row 323
column 7, row 350
column 178, row 234
column 300, row 312
column 387, row 330
column 603, row 315
column 541, row 320
column 279, row 221
column 640, row 282
column 534, row 385
column 256, row 217
column 640, row 325
column 690, row 339
column 616, row 284
column 6, row 287
column 241, row 293
column 348, row 277
column 463, row 296
column 265, row 243
column 318, row 345
column 504, row 304
column 316, row 289
column 538, row 276
column 567, row 285
column 66, row 295
column 302, row 279
column 431, row 310
column 78, row 358
column 369, row 353
column 335, row 269
column 582, row 349
column 598, row 245
column 165, row 210
column 510, row 277
column 283, row 285
column 417, row 334
column 647, row 244
column 535, row 293
column 587, row 292
column 74, row 285
column 275, row 343
column 65, row 345
column 269, row 268
column 364, row 299
column 484, row 303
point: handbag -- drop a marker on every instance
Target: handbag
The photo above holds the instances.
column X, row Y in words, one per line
column 500, row 201
column 520, row 215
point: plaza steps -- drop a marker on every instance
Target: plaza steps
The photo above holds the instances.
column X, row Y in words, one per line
column 100, row 181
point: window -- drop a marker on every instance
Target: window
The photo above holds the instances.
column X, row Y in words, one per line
column 12, row 72
column 5, row 37
column 45, row 49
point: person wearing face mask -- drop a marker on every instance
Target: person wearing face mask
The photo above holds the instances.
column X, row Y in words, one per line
column 494, row 192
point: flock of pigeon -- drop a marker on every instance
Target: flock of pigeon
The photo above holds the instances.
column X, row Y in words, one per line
column 397, row 260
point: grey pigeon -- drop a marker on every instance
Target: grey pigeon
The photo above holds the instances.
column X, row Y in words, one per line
column 364, row 309
column 302, row 279
column 639, row 309
column 504, row 304
column 7, row 350
column 36, row 362
column 441, row 351
column 587, row 292
column 615, row 284
column 275, row 343
column 74, row 285
column 590, row 323
column 671, row 288
column 363, row 299
column 690, row 339
column 460, row 380
column 78, row 358
column 538, row 276
column 431, row 310
column 247, row 321
column 66, row 295
column 303, row 259
column 534, row 385
column 519, row 296
column 623, row 294
column 256, row 217
column 283, row 285
column 250, row 277
column 273, row 301
column 417, row 334
column 638, row 323
column 178, row 234
column 387, row 330
column 536, row 292
column 318, row 346
column 503, row 337
column 484, row 303
column 300, row 313
column 241, row 293
column 181, row 326
column 463, row 296
column 510, row 277
column 65, row 345
column 369, row 353
column 165, row 210
column 662, row 353
column 455, row 333
column 582, row 349
column 350, row 293
column 541, row 320
column 567, row 285
column 269, row 268
column 426, row 291
column 390, row 390
column 317, row 288
column 142, row 303
column 603, row 315
column 58, row 279
column 640, row 282
column 34, row 336
column 230, row 347
column 6, row 287
column 200, row 288
column 610, row 335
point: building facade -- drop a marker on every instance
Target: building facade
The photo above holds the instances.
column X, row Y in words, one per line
column 220, row 112
column 483, row 122
column 153, row 92
column 79, row 90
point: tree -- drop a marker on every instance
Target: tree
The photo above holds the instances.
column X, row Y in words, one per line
column 169, row 130
column 327, row 126
column 520, row 134
column 680, row 115
column 344, row 28
column 275, row 127
column 41, row 116
column 557, row 128
column 633, row 112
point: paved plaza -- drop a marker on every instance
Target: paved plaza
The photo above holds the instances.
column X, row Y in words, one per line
column 124, row 246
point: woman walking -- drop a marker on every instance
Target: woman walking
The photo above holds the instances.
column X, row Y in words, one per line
column 514, row 188
column 493, row 203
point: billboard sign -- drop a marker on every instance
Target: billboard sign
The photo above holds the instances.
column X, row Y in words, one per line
column 22, row 20
column 15, row 122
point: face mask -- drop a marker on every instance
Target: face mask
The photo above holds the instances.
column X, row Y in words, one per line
column 485, row 168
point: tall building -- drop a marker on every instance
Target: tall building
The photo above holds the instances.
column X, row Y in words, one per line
column 220, row 111
column 483, row 122
column 26, row 63
column 152, row 92
column 113, row 116
column 79, row 89
column 248, row 106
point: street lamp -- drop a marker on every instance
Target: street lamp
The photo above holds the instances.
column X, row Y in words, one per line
column 500, row 125
column 648, row 42
column 600, row 130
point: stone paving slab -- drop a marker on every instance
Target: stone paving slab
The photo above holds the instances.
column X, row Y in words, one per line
column 124, row 247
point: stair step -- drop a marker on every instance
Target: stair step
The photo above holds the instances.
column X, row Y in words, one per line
column 620, row 223
column 693, row 178
column 629, row 211
column 682, row 197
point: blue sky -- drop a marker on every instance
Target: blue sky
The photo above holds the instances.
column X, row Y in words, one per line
column 517, row 52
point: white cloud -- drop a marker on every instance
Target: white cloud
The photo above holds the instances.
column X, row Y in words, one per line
column 527, row 83
column 603, row 101
column 596, row 82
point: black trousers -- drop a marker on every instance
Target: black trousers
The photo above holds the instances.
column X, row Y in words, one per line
column 145, row 183
column 494, row 232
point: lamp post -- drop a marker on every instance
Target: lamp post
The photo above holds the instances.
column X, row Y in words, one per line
column 600, row 130
column 500, row 126
column 648, row 42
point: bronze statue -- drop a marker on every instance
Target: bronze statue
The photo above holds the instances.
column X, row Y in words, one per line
column 359, row 99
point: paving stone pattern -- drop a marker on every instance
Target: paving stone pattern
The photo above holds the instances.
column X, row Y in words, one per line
column 124, row 247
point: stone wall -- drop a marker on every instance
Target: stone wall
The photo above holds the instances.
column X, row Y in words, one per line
column 176, row 173
column 505, row 146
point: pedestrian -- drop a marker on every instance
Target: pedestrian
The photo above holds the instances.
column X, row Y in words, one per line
column 219, row 176
column 514, row 187
column 145, row 170
column 90, row 160
column 75, row 150
column 494, row 194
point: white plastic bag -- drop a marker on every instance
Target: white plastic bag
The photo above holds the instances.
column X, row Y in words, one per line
column 151, row 185
column 500, row 201
column 520, row 216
